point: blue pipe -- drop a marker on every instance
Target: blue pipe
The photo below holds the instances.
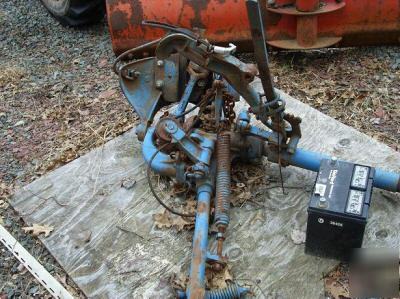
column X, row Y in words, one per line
column 197, row 279
column 162, row 163
column 311, row 160
column 307, row 159
column 387, row 180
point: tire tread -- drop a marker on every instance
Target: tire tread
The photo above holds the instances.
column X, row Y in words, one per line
column 81, row 12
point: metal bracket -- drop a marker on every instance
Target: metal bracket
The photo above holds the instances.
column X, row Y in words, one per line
column 199, row 152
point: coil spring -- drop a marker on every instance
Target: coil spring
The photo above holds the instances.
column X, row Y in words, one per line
column 233, row 291
column 223, row 180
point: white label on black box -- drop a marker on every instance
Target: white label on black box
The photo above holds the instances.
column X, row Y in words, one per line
column 360, row 177
column 320, row 189
column 355, row 202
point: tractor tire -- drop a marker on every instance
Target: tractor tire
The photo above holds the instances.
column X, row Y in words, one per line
column 76, row 12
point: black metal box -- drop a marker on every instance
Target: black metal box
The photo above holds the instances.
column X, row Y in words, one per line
column 338, row 209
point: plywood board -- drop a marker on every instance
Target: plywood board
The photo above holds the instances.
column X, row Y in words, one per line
column 106, row 240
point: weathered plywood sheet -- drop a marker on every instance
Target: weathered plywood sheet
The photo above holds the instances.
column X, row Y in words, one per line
column 127, row 257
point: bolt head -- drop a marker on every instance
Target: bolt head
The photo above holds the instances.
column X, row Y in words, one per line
column 170, row 127
column 160, row 63
column 323, row 203
column 159, row 83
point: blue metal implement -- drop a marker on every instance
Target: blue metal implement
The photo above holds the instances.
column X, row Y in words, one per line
column 197, row 151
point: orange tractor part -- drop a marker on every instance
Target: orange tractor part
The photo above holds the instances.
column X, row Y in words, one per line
column 289, row 24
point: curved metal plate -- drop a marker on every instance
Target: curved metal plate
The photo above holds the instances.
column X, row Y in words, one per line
column 292, row 44
column 140, row 90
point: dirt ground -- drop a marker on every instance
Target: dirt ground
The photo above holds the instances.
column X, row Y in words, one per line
column 59, row 99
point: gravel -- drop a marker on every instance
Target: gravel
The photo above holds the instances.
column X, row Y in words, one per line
column 59, row 99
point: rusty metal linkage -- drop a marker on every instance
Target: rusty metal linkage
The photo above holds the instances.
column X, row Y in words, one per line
column 196, row 143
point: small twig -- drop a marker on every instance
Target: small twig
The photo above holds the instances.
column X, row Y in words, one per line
column 128, row 272
column 243, row 203
column 136, row 234
column 96, row 132
column 132, row 232
column 286, row 187
column 27, row 285
column 257, row 203
column 40, row 204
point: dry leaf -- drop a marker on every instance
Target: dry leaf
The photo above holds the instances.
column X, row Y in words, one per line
column 255, row 179
column 336, row 283
column 190, row 207
column 38, row 229
column 84, row 112
column 179, row 281
column 128, row 183
column 167, row 220
column 335, row 289
column 106, row 94
column 179, row 223
column 245, row 195
column 218, row 279
column 239, row 199
column 162, row 220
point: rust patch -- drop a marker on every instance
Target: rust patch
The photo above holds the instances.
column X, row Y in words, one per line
column 197, row 294
column 197, row 291
column 119, row 20
column 202, row 208
column 198, row 7
column 137, row 12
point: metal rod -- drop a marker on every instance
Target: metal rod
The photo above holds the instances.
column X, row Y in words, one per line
column 311, row 160
column 186, row 96
column 196, row 286
column 260, row 48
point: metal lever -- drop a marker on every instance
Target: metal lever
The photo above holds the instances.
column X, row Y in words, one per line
column 169, row 27
column 260, row 48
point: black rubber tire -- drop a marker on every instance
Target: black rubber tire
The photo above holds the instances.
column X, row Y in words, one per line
column 76, row 12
